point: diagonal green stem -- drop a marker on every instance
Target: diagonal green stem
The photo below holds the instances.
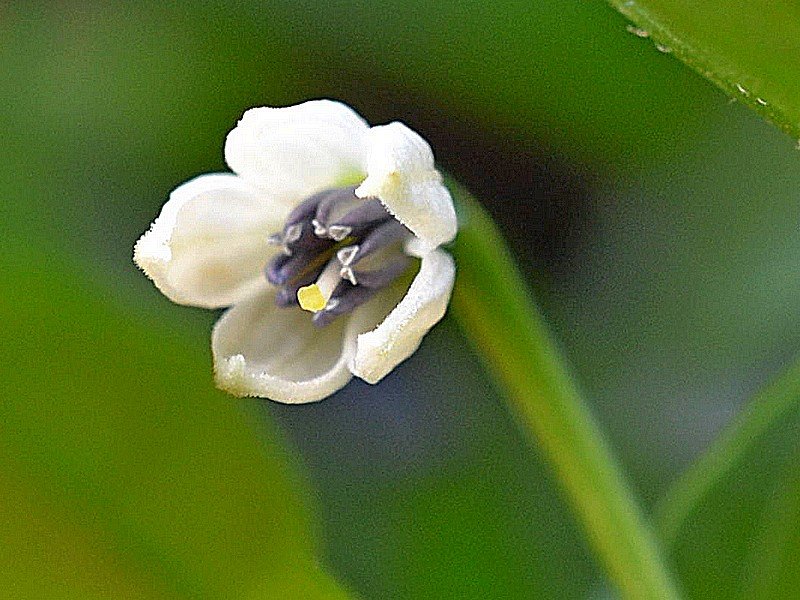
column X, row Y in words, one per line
column 496, row 311
column 768, row 407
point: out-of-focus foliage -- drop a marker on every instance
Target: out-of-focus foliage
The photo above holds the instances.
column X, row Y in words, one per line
column 733, row 520
column 690, row 290
column 114, row 438
column 429, row 492
column 562, row 73
column 113, row 107
column 125, row 474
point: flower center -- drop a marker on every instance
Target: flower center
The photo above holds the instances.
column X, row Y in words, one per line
column 337, row 251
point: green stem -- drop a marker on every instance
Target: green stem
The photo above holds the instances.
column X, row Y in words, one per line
column 495, row 309
column 768, row 407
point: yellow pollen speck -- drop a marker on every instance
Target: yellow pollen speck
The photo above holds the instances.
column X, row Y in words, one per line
column 310, row 298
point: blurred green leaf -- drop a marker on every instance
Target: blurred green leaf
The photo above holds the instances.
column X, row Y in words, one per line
column 468, row 525
column 113, row 419
column 733, row 519
column 45, row 554
column 111, row 105
column 687, row 295
column 773, row 570
column 749, row 49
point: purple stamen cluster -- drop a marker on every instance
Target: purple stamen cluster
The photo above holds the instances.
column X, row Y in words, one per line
column 335, row 225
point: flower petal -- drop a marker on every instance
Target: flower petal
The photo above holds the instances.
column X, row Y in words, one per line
column 398, row 336
column 277, row 353
column 295, row 151
column 401, row 173
column 209, row 244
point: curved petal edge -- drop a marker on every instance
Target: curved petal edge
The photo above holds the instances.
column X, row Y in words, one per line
column 399, row 335
column 295, row 151
column 207, row 246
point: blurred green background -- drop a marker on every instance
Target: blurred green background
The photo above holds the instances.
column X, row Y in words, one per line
column 656, row 220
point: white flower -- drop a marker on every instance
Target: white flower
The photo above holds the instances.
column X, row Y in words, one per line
column 333, row 249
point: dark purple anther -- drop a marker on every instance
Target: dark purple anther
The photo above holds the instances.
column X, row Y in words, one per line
column 308, row 242
column 365, row 215
column 306, row 210
column 385, row 234
column 283, row 268
column 286, row 297
column 333, row 199
column 345, row 298
column 379, row 278
column 273, row 269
